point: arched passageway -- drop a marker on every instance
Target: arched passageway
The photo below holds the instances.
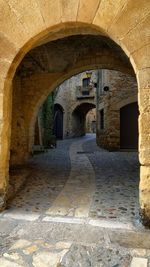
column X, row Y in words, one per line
column 74, row 190
column 72, row 19
column 79, row 118
column 91, row 121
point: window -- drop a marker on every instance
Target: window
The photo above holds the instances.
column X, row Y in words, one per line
column 85, row 92
column 102, row 119
column 86, row 82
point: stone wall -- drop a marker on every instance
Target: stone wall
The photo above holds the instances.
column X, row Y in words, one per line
column 122, row 91
column 19, row 140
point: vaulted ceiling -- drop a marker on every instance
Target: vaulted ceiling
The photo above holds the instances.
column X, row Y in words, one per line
column 60, row 55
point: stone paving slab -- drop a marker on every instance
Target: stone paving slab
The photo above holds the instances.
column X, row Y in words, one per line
column 59, row 219
column 36, row 244
column 81, row 232
column 22, row 216
column 6, row 226
column 99, row 223
column 139, row 262
column 76, row 196
column 43, row 253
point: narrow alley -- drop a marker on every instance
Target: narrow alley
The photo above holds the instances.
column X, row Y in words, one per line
column 79, row 179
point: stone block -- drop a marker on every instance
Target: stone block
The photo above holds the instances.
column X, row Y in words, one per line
column 2, row 192
column 45, row 259
column 144, row 141
column 69, row 10
column 86, row 12
column 7, row 48
column 133, row 40
column 143, row 79
column 50, row 18
column 140, row 58
column 144, row 154
column 20, row 244
column 145, row 178
column 144, row 100
column 1, row 106
column 4, row 67
column 144, row 194
column 6, row 263
column 107, row 12
column 139, row 262
column 28, row 15
column 11, row 25
column 144, row 123
column 129, row 16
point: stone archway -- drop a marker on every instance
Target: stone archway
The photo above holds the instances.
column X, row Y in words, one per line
column 51, row 81
column 28, row 24
column 79, row 118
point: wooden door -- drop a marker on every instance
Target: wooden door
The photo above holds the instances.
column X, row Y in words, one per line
column 129, row 126
column 58, row 122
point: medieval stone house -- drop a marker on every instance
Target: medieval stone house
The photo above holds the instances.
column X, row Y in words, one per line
column 76, row 97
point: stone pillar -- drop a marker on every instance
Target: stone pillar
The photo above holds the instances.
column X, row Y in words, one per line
column 5, row 125
column 19, row 141
column 145, row 194
column 144, row 150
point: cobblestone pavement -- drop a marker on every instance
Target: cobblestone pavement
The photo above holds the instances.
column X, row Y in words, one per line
column 49, row 173
column 40, row 244
column 78, row 179
column 117, row 178
column 40, row 253
column 79, row 208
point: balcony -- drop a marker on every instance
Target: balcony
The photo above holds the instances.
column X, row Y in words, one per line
column 87, row 92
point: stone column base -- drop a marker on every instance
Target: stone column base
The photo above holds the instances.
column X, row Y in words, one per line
column 2, row 200
column 145, row 217
column 145, row 195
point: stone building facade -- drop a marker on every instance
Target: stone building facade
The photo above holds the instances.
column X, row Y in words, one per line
column 72, row 112
column 76, row 102
column 77, row 96
column 116, row 90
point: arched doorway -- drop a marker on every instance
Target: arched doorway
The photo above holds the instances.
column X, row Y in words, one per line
column 129, row 126
column 91, row 121
column 79, row 118
column 58, row 121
